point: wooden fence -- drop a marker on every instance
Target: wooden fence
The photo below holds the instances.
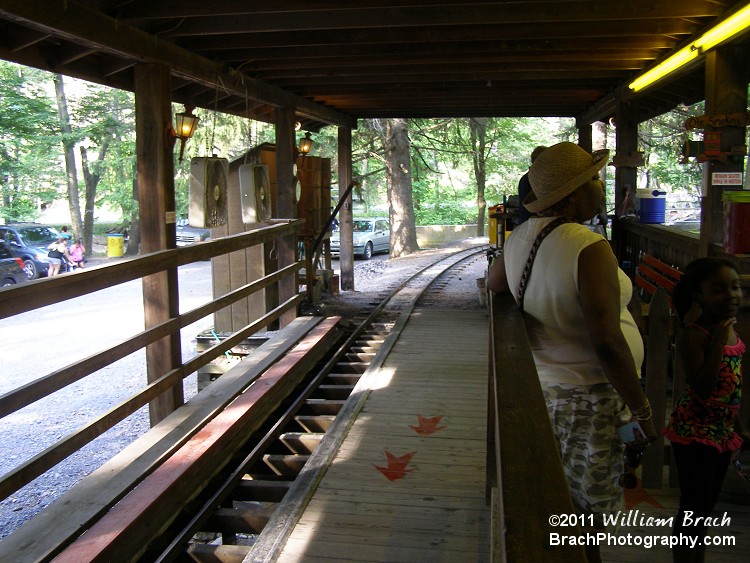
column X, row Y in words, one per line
column 43, row 292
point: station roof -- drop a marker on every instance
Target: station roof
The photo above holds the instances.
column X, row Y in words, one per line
column 340, row 61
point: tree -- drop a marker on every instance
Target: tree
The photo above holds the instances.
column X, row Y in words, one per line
column 398, row 165
column 478, row 128
column 29, row 171
column 69, row 144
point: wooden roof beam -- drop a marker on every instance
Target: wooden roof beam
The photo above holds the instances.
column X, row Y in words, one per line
column 89, row 28
column 395, row 70
column 466, row 79
column 502, row 13
column 439, row 35
column 247, row 50
column 581, row 58
column 281, row 11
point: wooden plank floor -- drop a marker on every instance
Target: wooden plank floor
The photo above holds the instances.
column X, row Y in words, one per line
column 433, row 510
column 408, row 482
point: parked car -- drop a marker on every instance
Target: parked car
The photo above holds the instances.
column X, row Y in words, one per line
column 11, row 268
column 369, row 237
column 186, row 234
column 29, row 242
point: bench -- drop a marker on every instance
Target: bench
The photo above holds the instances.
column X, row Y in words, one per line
column 656, row 281
column 653, row 274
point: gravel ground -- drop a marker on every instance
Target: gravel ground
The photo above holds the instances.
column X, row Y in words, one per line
column 25, row 433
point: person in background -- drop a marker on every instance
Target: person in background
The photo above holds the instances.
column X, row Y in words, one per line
column 65, row 234
column 58, row 251
column 586, row 346
column 77, row 254
column 524, row 188
column 334, row 221
column 705, row 427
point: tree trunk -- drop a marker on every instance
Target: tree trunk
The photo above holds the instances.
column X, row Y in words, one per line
column 478, row 133
column 401, row 207
column 91, row 181
column 70, row 157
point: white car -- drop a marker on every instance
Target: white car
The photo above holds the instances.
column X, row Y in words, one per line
column 369, row 236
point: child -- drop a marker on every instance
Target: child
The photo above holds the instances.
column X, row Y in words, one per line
column 77, row 254
column 704, row 427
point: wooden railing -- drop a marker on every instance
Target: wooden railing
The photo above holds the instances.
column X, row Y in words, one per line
column 525, row 478
column 669, row 244
column 40, row 293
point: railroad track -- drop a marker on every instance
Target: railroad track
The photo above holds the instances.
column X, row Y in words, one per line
column 255, row 499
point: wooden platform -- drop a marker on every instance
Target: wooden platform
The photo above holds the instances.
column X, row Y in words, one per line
column 405, row 488
column 408, row 483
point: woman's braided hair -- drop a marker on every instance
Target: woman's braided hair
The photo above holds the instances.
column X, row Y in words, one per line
column 690, row 283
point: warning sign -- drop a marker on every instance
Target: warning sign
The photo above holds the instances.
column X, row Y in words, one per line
column 726, row 178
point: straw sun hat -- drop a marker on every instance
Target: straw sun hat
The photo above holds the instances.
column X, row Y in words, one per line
column 558, row 172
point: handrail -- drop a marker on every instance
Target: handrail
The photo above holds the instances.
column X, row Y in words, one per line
column 39, row 388
column 27, row 297
column 30, row 296
column 523, row 461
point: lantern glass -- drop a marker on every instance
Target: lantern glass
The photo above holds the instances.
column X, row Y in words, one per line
column 185, row 124
column 305, row 144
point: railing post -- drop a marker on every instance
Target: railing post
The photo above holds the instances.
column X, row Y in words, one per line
column 657, row 363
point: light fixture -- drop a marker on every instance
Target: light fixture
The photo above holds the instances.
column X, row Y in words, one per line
column 680, row 58
column 305, row 144
column 727, row 29
column 185, row 124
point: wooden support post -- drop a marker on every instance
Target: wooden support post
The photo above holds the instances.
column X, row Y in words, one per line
column 626, row 142
column 726, row 93
column 153, row 116
column 346, row 257
column 584, row 135
column 285, row 207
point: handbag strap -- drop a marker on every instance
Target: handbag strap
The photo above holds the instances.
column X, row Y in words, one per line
column 526, row 274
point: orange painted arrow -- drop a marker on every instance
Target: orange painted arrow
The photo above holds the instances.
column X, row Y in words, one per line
column 427, row 426
column 634, row 497
column 396, row 466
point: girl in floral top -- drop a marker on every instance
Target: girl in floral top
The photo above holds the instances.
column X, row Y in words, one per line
column 704, row 427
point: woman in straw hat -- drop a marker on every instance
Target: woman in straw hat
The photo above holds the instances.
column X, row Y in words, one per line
column 586, row 345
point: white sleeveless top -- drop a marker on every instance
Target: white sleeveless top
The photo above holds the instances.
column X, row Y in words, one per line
column 554, row 322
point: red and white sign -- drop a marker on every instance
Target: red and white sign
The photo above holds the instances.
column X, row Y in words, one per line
column 726, row 178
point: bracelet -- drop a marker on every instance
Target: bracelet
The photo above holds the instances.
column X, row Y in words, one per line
column 643, row 413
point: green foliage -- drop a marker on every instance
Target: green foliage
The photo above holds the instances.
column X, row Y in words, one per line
column 29, row 151
column 443, row 181
column 114, row 120
column 661, row 139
